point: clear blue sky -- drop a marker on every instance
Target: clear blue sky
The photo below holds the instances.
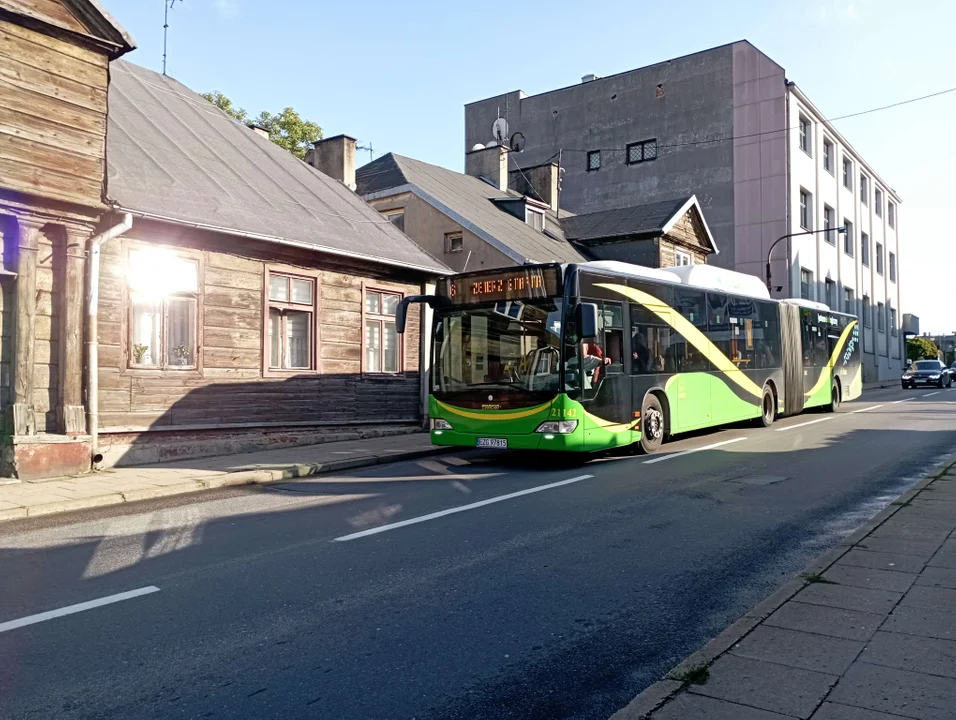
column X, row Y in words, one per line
column 397, row 74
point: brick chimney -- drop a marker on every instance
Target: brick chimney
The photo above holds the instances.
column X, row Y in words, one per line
column 335, row 156
column 539, row 182
column 490, row 164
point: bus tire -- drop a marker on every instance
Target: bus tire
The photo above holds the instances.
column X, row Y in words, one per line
column 834, row 398
column 768, row 407
column 653, row 424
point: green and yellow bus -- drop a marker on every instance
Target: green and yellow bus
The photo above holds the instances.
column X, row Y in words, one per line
column 591, row 356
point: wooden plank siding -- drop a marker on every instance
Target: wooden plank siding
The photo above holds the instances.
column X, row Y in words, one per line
column 688, row 235
column 50, row 10
column 52, row 116
column 232, row 386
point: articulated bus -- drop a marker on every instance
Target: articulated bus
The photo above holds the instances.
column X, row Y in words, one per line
column 591, row 356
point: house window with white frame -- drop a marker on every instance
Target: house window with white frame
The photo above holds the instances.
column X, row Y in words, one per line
column 806, row 210
column 828, row 156
column 864, row 189
column 849, row 239
column 828, row 224
column 806, row 135
column 164, row 297
column 682, row 259
column 849, row 303
column 848, row 174
column 878, row 202
column 534, row 218
column 892, row 267
column 291, row 321
column 806, row 284
column 893, row 329
column 879, row 258
column 891, row 214
column 383, row 344
column 865, row 249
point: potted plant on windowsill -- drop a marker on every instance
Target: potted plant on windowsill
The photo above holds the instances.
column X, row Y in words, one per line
column 139, row 353
column 183, row 353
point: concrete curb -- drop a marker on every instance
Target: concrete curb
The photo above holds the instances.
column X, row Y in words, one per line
column 655, row 696
column 231, row 479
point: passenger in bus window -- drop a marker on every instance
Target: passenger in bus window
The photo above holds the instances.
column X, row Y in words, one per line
column 641, row 354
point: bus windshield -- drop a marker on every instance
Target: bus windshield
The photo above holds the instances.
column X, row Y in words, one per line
column 511, row 345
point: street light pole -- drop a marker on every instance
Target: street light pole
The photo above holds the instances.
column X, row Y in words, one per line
column 839, row 231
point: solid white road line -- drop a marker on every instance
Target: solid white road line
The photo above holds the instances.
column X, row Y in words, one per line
column 931, row 394
column 79, row 607
column 899, row 401
column 809, row 422
column 460, row 508
column 662, row 458
column 872, row 407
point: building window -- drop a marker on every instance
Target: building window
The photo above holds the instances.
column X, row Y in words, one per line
column 291, row 321
column 893, row 330
column 849, row 303
column 865, row 249
column 867, row 320
column 163, row 310
column 864, row 189
column 806, row 208
column 383, row 349
column 879, row 258
column 849, row 240
column 847, row 174
column 828, row 221
column 892, row 267
column 828, row 156
column 397, row 218
column 454, row 243
column 534, row 218
column 878, row 202
column 594, row 160
column 642, row 151
column 806, row 135
column 891, row 214
column 831, row 294
column 880, row 318
column 806, row 283
column 681, row 259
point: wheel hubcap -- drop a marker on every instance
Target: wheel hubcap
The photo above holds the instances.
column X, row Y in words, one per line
column 654, row 424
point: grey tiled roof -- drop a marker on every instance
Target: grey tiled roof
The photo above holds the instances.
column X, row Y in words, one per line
column 174, row 156
column 468, row 200
column 647, row 220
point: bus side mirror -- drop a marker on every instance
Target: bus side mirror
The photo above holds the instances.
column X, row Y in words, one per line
column 401, row 313
column 587, row 321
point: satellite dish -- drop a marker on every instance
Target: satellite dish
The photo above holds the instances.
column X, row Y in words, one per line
column 517, row 142
column 491, row 144
column 477, row 146
column 499, row 130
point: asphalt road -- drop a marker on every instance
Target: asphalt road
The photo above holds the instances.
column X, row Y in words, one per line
column 564, row 601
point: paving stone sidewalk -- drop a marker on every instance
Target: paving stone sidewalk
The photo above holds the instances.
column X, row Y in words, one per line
column 869, row 633
column 119, row 485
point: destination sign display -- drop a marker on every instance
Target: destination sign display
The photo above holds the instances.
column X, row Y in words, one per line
column 519, row 284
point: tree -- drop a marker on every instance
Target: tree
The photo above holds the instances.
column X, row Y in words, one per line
column 225, row 104
column 921, row 348
column 286, row 129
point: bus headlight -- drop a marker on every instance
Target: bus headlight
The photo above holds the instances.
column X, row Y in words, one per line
column 439, row 424
column 559, row 427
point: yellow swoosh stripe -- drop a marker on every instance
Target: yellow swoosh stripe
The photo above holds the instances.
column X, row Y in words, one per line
column 493, row 414
column 694, row 336
column 612, row 426
column 826, row 372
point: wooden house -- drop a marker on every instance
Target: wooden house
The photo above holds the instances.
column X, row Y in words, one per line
column 250, row 302
column 54, row 72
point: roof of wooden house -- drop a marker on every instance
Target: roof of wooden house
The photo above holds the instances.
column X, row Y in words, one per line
column 174, row 156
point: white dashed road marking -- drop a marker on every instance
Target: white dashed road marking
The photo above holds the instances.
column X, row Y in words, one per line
column 79, row 607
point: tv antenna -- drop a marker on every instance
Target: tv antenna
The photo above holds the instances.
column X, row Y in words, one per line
column 371, row 151
column 167, row 5
column 500, row 130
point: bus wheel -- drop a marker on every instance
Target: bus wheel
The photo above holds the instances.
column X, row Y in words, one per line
column 834, row 398
column 769, row 406
column 652, row 424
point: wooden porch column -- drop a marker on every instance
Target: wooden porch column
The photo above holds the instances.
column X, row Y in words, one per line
column 71, row 412
column 28, row 231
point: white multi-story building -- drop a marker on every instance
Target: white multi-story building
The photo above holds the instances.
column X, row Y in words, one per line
column 727, row 126
column 856, row 271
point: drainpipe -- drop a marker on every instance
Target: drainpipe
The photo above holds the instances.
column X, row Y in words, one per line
column 92, row 343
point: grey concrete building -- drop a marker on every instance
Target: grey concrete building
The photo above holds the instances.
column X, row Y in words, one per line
column 727, row 126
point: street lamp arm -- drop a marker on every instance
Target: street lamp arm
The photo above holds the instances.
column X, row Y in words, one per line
column 840, row 231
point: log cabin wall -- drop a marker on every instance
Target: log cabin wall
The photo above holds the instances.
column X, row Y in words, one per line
column 230, row 399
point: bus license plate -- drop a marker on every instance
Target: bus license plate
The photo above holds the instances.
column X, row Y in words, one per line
column 493, row 442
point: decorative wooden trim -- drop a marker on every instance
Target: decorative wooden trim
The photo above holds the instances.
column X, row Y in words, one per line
column 315, row 275
column 128, row 245
column 391, row 289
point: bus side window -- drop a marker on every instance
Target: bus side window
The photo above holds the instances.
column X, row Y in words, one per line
column 767, row 336
column 682, row 356
column 612, row 320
